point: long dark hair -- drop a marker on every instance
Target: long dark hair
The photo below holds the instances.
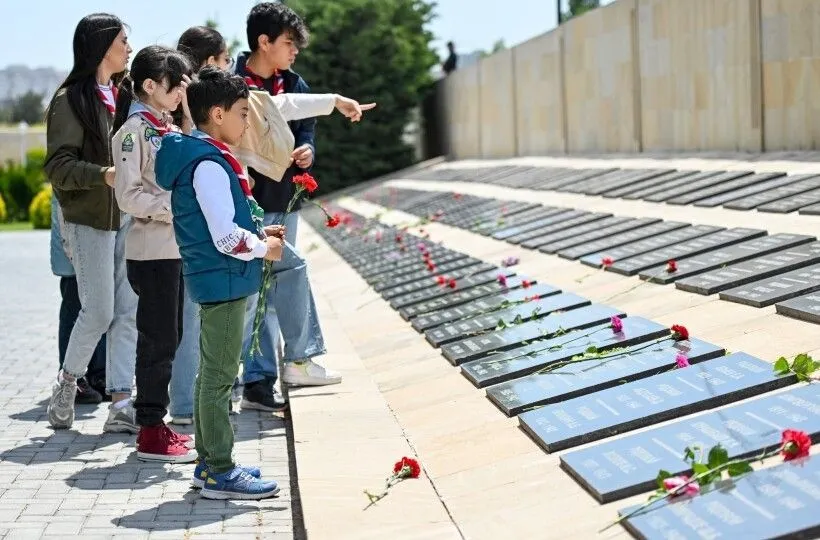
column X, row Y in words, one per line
column 154, row 62
column 92, row 38
column 199, row 43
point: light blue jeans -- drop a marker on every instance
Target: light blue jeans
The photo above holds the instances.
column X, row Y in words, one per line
column 290, row 309
column 186, row 362
column 109, row 304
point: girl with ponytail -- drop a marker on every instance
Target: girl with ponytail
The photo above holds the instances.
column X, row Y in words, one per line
column 154, row 89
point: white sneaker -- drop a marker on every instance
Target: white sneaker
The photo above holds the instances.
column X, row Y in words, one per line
column 182, row 420
column 308, row 373
column 122, row 420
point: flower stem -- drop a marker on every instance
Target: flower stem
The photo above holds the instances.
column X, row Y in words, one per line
column 642, row 282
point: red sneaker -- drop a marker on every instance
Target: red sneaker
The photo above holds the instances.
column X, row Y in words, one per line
column 154, row 444
column 181, row 438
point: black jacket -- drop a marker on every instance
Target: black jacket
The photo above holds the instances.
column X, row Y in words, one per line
column 273, row 196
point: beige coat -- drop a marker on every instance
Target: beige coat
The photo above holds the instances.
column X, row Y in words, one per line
column 151, row 236
column 268, row 143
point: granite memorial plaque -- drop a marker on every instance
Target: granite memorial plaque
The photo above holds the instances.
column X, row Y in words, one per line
column 505, row 318
column 468, row 295
column 578, row 176
column 501, row 340
column 723, row 198
column 738, row 274
column 790, row 204
column 575, row 231
column 813, row 210
column 724, row 187
column 527, row 359
column 692, row 185
column 516, row 230
column 801, row 183
column 462, row 283
column 431, row 282
column 724, row 256
column 398, row 260
column 404, row 270
column 633, row 265
column 627, row 466
column 482, row 305
column 491, row 226
column 632, row 187
column 669, row 184
column 614, row 178
column 583, row 378
column 425, row 274
column 648, row 401
column 805, row 308
column 776, row 288
column 618, row 240
column 636, row 177
column 650, row 244
column 587, row 217
column 597, row 233
column 779, row 502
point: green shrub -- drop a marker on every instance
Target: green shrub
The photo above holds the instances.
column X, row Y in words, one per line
column 40, row 210
column 18, row 186
column 3, row 215
column 35, row 159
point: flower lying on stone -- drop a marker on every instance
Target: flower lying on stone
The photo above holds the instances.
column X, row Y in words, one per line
column 512, row 260
column 679, row 332
column 681, row 360
column 526, row 284
column 794, row 444
column 616, row 324
column 402, row 470
column 502, row 280
column 673, row 483
column 606, row 262
column 671, row 266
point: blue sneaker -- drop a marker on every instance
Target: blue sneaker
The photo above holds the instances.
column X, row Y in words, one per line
column 237, row 484
column 201, row 473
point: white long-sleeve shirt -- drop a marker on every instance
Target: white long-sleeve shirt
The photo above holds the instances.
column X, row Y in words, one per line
column 299, row 106
column 212, row 187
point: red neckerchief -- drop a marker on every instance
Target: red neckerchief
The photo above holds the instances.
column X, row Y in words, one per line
column 234, row 163
column 161, row 127
column 112, row 107
column 258, row 83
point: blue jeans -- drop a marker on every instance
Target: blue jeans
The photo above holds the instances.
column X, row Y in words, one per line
column 290, row 308
column 186, row 362
column 109, row 305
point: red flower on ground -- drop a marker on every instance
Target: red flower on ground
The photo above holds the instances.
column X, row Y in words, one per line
column 671, row 266
column 679, row 332
column 532, row 298
column 307, row 182
column 794, row 444
column 676, row 482
column 525, row 283
column 681, row 360
column 502, row 280
column 606, row 262
column 441, row 280
column 334, row 220
column 431, row 267
column 452, row 283
column 407, row 468
column 616, row 324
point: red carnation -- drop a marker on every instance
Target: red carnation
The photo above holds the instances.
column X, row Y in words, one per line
column 532, row 298
column 679, row 332
column 452, row 283
column 671, row 266
column 502, row 280
column 334, row 220
column 306, row 181
column 606, row 262
column 525, row 283
column 407, row 468
column 431, row 267
column 441, row 280
column 794, row 444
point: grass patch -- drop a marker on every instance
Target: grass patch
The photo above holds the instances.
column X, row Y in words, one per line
column 16, row 226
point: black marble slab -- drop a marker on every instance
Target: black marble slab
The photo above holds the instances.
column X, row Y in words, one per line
column 581, row 185
column 552, row 219
column 572, row 232
column 487, row 344
column 719, row 258
column 648, row 401
column 724, row 187
column 650, row 244
column 631, row 266
column 582, row 378
column 462, row 283
column 617, row 240
column 584, row 218
column 628, row 466
column 813, row 210
column 597, row 233
column 426, row 275
column 519, row 220
column 419, row 265
column 723, row 198
column 806, row 308
column 693, row 185
column 755, row 269
column 578, row 176
column 637, row 176
column 776, row 288
column 790, row 204
column 527, row 359
column 779, row 502
column 669, row 184
column 485, row 304
column 431, row 283
column 801, row 183
column 461, row 297
column 505, row 318
column 632, row 187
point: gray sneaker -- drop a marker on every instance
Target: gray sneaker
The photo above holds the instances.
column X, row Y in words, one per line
column 122, row 420
column 61, row 406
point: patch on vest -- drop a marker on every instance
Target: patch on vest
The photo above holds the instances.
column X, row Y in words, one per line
column 153, row 136
column 128, row 143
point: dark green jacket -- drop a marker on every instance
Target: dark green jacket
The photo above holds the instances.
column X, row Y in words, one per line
column 78, row 179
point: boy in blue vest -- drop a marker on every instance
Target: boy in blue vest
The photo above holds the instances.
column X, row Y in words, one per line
column 222, row 241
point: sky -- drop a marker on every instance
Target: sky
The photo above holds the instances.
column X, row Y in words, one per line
column 38, row 33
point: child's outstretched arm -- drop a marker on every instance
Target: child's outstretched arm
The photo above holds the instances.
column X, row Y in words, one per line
column 212, row 186
column 300, row 106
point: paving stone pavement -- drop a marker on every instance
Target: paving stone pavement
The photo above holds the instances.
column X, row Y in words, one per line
column 81, row 481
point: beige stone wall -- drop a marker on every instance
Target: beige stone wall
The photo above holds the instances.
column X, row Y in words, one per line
column 649, row 75
column 599, row 85
column 791, row 73
column 539, row 104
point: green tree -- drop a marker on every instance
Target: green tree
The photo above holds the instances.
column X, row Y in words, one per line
column 28, row 108
column 370, row 50
column 233, row 45
column 579, row 7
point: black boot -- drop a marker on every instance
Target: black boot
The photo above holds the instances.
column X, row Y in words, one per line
column 261, row 396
